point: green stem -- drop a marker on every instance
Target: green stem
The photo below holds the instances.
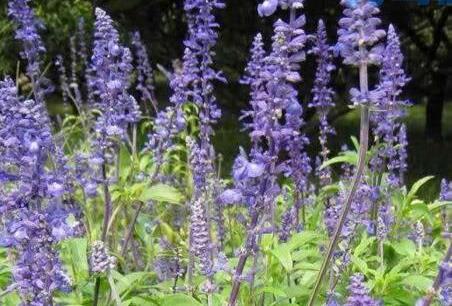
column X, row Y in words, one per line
column 363, row 147
column 107, row 215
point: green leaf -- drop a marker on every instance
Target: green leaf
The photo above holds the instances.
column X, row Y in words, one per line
column 355, row 142
column 76, row 254
column 405, row 247
column 278, row 292
column 330, row 189
column 300, row 239
column 282, row 253
column 167, row 231
column 346, row 157
column 179, row 300
column 416, row 186
column 114, row 290
column 419, row 282
column 364, row 246
column 438, row 204
column 162, row 193
column 419, row 210
column 127, row 282
column 360, row 264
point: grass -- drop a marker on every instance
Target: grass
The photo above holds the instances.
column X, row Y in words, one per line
column 424, row 157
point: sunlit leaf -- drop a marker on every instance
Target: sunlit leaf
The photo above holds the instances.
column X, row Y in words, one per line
column 162, row 193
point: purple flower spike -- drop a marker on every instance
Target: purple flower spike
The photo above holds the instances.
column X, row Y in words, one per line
column 359, row 36
column 145, row 76
column 322, row 99
column 200, row 242
column 358, row 293
column 35, row 219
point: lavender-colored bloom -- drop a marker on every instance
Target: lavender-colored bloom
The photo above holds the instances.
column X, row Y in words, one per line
column 359, row 42
column 38, row 271
column 100, row 262
column 359, row 293
column 418, row 233
column 359, row 35
column 145, row 77
column 445, row 296
column 64, row 85
column 167, row 125
column 401, row 164
column 231, row 196
column 28, row 27
column 287, row 222
column 111, row 67
column 446, row 190
column 248, row 175
column 267, row 8
column 201, row 39
column 384, row 221
column 244, row 169
column 255, row 79
column 200, row 160
column 288, row 53
column 35, row 218
column 388, row 129
column 168, row 263
column 392, row 75
column 359, row 212
column 200, row 241
column 111, row 63
column 322, row 99
column 332, row 301
column 27, row 31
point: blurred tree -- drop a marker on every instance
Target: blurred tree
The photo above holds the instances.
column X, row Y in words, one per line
column 427, row 31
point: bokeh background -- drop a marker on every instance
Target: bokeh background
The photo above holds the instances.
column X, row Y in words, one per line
column 426, row 35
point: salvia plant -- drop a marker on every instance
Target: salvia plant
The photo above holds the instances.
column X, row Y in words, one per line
column 120, row 201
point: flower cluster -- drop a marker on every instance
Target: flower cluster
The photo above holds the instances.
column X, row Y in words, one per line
column 202, row 37
column 111, row 66
column 359, row 293
column 322, row 99
column 168, row 264
column 359, row 43
column 38, row 271
column 200, row 240
column 28, row 27
column 359, row 37
column 387, row 126
column 269, row 7
column 100, row 261
column 33, row 201
column 145, row 76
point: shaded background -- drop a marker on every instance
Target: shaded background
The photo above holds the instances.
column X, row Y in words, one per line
column 426, row 35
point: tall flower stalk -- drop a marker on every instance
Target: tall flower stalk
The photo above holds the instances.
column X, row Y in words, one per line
column 145, row 75
column 27, row 33
column 200, row 75
column 322, row 99
column 111, row 67
column 388, row 129
column 275, row 127
column 33, row 203
column 359, row 45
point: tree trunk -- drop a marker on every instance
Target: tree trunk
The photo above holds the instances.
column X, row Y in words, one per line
column 434, row 109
